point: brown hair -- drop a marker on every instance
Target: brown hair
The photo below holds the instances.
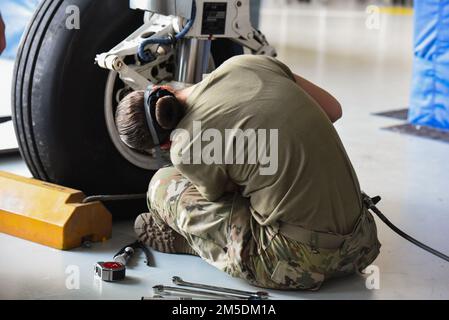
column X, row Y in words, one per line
column 131, row 121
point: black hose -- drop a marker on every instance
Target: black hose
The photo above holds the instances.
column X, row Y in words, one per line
column 120, row 197
column 368, row 201
column 148, row 57
column 5, row 119
column 138, row 245
column 372, row 206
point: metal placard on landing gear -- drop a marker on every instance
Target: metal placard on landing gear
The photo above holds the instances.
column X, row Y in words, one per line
column 214, row 18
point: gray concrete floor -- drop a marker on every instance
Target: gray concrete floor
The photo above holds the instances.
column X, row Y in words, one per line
column 368, row 71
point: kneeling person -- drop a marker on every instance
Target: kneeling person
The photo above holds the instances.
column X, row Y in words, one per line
column 288, row 223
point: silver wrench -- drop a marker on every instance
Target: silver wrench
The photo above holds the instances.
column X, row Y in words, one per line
column 160, row 297
column 260, row 294
column 165, row 290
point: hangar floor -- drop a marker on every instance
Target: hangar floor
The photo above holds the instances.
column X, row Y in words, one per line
column 368, row 70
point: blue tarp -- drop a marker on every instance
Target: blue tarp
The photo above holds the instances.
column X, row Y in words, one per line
column 430, row 94
column 16, row 15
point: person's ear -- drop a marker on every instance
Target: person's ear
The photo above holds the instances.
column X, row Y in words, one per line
column 168, row 112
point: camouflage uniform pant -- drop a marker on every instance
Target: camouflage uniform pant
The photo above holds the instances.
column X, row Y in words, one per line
column 225, row 235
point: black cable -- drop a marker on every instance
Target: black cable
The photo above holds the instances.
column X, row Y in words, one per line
column 5, row 119
column 368, row 201
column 371, row 205
column 147, row 253
column 118, row 197
column 137, row 245
column 170, row 40
column 122, row 250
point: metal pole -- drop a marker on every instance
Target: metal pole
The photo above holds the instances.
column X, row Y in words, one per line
column 193, row 60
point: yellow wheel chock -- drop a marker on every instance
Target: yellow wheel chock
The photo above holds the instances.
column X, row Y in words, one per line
column 50, row 214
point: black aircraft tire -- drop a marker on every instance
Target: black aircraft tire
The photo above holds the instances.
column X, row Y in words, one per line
column 58, row 100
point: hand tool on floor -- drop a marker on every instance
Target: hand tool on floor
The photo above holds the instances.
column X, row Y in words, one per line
column 159, row 297
column 166, row 290
column 110, row 271
column 178, row 281
column 116, row 270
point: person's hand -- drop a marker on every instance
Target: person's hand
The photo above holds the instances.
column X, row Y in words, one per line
column 2, row 35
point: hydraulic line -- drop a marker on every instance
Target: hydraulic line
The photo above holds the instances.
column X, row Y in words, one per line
column 147, row 56
column 371, row 205
column 119, row 197
column 369, row 202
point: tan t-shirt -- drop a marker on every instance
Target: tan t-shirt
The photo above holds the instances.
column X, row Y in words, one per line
column 312, row 185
